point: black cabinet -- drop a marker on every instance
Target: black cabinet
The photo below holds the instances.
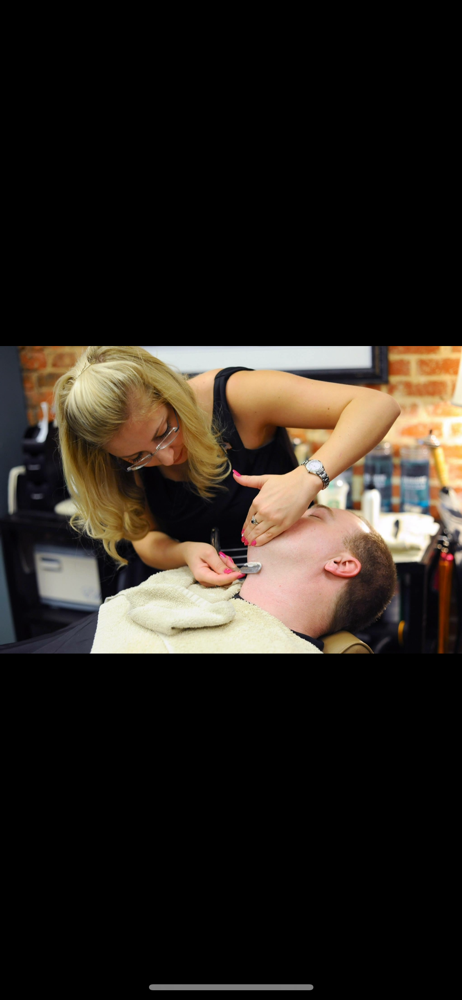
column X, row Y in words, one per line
column 410, row 623
column 21, row 532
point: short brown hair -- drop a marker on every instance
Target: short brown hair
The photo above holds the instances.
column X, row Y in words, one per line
column 366, row 595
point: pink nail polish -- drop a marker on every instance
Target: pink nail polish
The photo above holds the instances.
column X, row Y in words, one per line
column 223, row 554
column 241, row 576
column 254, row 542
column 228, row 571
column 245, row 541
column 236, row 473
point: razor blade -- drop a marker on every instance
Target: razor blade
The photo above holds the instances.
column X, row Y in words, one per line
column 235, row 554
column 253, row 567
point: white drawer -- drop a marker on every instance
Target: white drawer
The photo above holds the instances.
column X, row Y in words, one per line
column 67, row 578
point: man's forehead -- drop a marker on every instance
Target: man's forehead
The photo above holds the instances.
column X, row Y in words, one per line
column 351, row 519
column 361, row 523
column 355, row 520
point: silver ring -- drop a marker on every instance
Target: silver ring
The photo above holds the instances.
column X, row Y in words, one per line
column 253, row 520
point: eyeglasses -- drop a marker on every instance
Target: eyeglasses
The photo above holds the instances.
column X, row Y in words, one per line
column 164, row 442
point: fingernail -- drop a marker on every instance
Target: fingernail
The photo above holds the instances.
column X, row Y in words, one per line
column 228, row 571
column 236, row 473
column 254, row 542
column 223, row 554
column 241, row 576
column 245, row 541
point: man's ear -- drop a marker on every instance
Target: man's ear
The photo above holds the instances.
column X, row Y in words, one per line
column 344, row 565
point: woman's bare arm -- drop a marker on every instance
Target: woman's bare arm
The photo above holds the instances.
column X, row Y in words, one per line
column 262, row 400
column 359, row 417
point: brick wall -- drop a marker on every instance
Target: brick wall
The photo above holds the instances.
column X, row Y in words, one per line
column 41, row 367
column 422, row 379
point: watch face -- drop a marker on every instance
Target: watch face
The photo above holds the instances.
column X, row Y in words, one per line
column 315, row 465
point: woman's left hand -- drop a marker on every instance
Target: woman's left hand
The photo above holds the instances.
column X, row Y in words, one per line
column 280, row 503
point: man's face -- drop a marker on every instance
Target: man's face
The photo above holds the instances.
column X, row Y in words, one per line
column 318, row 536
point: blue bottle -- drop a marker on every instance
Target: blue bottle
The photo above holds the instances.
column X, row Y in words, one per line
column 415, row 479
column 378, row 473
column 347, row 476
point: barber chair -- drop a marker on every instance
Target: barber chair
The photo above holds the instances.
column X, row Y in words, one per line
column 338, row 642
column 344, row 642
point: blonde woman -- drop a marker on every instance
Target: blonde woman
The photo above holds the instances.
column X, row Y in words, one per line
column 159, row 459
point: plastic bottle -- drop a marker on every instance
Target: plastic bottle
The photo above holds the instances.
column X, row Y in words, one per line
column 347, row 477
column 415, row 479
column 371, row 502
column 380, row 460
column 336, row 494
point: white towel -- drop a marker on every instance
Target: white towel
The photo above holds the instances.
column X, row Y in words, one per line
column 171, row 613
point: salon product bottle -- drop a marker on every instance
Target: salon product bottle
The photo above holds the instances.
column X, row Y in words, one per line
column 379, row 464
column 336, row 493
column 371, row 502
column 415, row 479
column 347, row 477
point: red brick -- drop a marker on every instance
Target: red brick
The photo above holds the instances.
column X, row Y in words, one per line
column 47, row 380
column 64, row 360
column 442, row 410
column 401, row 367
column 443, row 389
column 421, row 430
column 438, row 366
column 409, row 410
column 413, row 350
column 28, row 382
column 33, row 358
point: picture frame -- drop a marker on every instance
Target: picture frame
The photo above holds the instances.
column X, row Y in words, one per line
column 341, row 363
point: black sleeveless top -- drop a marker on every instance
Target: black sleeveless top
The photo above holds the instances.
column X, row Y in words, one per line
column 184, row 515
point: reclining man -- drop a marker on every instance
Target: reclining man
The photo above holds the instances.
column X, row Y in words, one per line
column 330, row 571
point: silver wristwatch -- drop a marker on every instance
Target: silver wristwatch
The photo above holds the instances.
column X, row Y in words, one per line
column 316, row 467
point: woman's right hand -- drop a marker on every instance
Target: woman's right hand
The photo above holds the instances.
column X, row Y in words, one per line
column 208, row 567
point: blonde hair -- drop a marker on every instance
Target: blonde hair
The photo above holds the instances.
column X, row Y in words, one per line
column 92, row 402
